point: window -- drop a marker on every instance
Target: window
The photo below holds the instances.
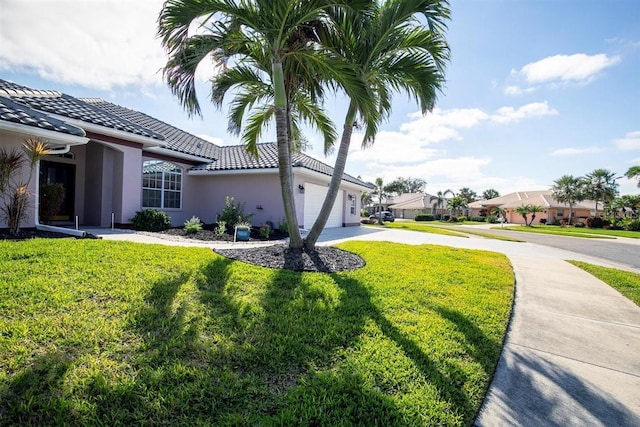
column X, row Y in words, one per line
column 352, row 204
column 161, row 185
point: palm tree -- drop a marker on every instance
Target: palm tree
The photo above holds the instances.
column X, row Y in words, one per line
column 392, row 51
column 500, row 212
column 456, row 204
column 267, row 48
column 534, row 209
column 600, row 185
column 524, row 211
column 440, row 198
column 633, row 172
column 567, row 189
column 380, row 191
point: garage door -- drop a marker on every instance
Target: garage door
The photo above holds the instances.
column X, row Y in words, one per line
column 313, row 198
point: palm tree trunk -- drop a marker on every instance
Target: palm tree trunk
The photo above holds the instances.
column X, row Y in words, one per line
column 336, row 178
column 284, row 157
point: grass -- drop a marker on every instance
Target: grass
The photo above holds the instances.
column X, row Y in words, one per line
column 115, row 333
column 589, row 233
column 627, row 283
column 422, row 227
column 445, row 229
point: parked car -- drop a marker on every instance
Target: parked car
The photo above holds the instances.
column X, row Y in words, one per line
column 386, row 216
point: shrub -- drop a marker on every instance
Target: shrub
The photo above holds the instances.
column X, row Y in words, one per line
column 462, row 218
column 265, row 230
column 633, row 225
column 150, row 220
column 221, row 228
column 233, row 213
column 51, row 198
column 543, row 221
column 594, row 222
column 492, row 219
column 283, row 226
column 424, row 217
column 479, row 219
column 193, row 225
column 579, row 224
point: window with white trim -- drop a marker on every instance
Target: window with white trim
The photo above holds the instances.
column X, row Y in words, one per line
column 161, row 185
column 352, row 204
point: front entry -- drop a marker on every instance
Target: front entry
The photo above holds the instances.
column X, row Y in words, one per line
column 65, row 174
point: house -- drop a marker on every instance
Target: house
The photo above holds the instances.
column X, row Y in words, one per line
column 409, row 204
column 114, row 161
column 552, row 210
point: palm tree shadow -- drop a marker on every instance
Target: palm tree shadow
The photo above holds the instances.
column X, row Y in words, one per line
column 24, row 397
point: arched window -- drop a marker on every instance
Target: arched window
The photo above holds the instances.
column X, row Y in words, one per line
column 161, row 185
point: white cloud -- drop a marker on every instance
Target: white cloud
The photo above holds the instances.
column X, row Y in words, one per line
column 631, row 141
column 213, row 139
column 517, row 90
column 564, row 68
column 100, row 44
column 509, row 114
column 575, row 151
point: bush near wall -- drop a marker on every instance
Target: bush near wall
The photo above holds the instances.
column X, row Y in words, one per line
column 479, row 218
column 424, row 217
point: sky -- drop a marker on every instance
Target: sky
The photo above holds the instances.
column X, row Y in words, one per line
column 535, row 89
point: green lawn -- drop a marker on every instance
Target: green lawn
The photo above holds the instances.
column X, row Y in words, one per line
column 627, row 283
column 590, row 233
column 99, row 332
column 444, row 228
column 422, row 227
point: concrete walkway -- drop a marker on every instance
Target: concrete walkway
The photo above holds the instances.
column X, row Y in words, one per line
column 572, row 351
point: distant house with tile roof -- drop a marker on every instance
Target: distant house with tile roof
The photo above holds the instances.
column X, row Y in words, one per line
column 552, row 210
column 114, row 161
column 409, row 204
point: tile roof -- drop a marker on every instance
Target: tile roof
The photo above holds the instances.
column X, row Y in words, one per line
column 54, row 102
column 176, row 139
column 410, row 201
column 13, row 112
column 237, row 158
column 542, row 198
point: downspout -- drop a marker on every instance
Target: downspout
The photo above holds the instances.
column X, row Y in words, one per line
column 76, row 233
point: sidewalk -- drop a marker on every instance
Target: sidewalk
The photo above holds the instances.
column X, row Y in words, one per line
column 572, row 352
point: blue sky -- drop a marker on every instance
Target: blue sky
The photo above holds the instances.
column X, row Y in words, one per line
column 536, row 89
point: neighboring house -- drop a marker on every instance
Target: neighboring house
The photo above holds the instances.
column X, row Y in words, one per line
column 409, row 204
column 114, row 161
column 552, row 210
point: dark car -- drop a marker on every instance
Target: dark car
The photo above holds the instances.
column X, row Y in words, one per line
column 386, row 216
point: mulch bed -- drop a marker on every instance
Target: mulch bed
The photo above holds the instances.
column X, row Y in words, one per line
column 324, row 259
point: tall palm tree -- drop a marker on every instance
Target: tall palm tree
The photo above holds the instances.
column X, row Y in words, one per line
column 393, row 51
column 268, row 48
column 441, row 199
column 600, row 185
column 568, row 189
column 633, row 172
column 380, row 191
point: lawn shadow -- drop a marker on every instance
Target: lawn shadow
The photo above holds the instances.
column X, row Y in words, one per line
column 35, row 396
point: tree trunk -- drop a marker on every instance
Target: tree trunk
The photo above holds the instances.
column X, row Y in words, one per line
column 336, row 178
column 284, row 157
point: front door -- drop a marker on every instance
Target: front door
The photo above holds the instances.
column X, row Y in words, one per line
column 65, row 174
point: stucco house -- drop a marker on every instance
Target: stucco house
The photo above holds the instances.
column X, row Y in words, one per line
column 409, row 204
column 552, row 210
column 114, row 161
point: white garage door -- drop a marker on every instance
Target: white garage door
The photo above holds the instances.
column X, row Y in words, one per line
column 313, row 198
